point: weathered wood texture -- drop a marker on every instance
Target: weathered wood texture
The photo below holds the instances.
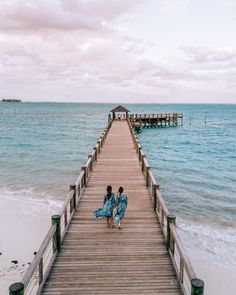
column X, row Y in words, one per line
column 97, row 260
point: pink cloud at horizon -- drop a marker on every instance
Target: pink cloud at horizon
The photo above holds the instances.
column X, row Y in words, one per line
column 94, row 51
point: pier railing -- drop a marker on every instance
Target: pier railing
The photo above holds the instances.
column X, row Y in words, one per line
column 36, row 275
column 156, row 116
column 138, row 121
column 190, row 284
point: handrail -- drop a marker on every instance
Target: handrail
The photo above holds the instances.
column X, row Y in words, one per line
column 36, row 275
column 179, row 245
column 190, row 284
column 36, row 261
column 162, row 115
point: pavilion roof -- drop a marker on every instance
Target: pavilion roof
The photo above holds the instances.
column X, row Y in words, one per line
column 119, row 108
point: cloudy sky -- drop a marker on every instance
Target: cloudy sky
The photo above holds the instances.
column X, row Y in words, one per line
column 118, row 50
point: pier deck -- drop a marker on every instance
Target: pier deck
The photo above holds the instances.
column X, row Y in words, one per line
column 97, row 260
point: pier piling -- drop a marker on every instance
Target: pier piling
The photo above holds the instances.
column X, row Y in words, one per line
column 56, row 219
column 16, row 289
column 197, row 287
column 171, row 219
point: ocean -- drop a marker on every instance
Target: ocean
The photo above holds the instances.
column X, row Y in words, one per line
column 43, row 146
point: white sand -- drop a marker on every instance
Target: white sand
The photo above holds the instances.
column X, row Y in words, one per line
column 218, row 280
column 22, row 233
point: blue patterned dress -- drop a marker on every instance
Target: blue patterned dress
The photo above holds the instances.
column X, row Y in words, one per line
column 108, row 205
column 121, row 203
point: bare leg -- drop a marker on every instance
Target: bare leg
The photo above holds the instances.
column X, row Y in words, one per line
column 121, row 223
column 108, row 222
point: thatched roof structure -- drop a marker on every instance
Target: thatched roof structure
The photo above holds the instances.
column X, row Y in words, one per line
column 119, row 108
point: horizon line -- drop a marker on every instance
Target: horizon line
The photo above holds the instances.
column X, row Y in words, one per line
column 95, row 102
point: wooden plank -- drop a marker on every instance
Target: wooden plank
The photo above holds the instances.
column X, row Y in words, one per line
column 97, row 260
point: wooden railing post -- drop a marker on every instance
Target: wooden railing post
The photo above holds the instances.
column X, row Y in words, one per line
column 65, row 218
column 16, row 289
column 197, row 287
column 99, row 146
column 83, row 168
column 40, row 271
column 95, row 153
column 139, row 153
column 147, row 175
column 143, row 162
column 154, row 193
column 171, row 218
column 181, row 269
column 102, row 139
column 56, row 219
column 91, row 162
column 73, row 188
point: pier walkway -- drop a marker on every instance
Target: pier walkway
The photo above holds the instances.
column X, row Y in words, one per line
column 81, row 256
column 97, row 260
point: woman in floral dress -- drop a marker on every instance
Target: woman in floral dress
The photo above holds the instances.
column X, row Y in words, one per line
column 108, row 204
column 121, row 203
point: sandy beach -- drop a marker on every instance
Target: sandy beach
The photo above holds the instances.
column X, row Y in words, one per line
column 218, row 280
column 22, row 232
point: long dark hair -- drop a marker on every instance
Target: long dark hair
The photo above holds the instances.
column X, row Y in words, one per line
column 109, row 190
column 120, row 190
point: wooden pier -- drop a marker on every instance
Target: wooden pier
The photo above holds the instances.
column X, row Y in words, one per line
column 80, row 255
column 139, row 121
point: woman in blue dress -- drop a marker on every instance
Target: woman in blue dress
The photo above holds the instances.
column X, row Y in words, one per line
column 108, row 205
column 121, row 203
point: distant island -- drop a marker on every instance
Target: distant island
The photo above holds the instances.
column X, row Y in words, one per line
column 11, row 100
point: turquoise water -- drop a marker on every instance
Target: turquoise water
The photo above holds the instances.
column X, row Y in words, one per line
column 43, row 145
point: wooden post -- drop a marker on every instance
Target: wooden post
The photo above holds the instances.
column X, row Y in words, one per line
column 154, row 193
column 99, row 146
column 147, row 175
column 143, row 162
column 96, row 156
column 65, row 218
column 181, row 269
column 139, row 153
column 16, row 289
column 155, row 187
column 56, row 219
column 91, row 163
column 40, row 271
column 85, row 174
column 102, row 138
column 171, row 218
column 78, row 189
column 205, row 119
column 109, row 118
column 197, row 287
column 73, row 188
column 158, row 202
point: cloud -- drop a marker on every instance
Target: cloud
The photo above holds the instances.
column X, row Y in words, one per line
column 77, row 49
column 174, row 8
column 210, row 55
column 61, row 14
